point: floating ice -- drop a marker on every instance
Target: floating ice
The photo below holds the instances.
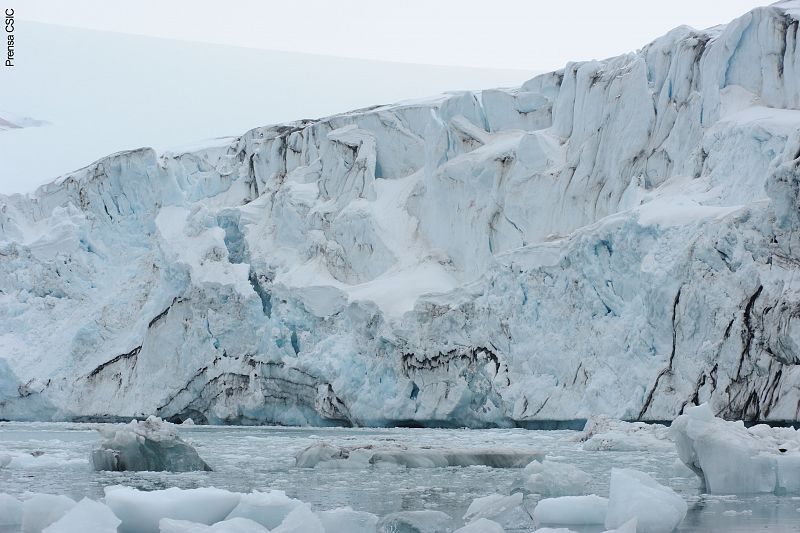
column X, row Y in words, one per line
column 508, row 511
column 360, row 456
column 300, row 520
column 571, row 510
column 267, row 508
column 5, row 459
column 733, row 459
column 634, row 494
column 86, row 516
column 606, row 433
column 627, row 527
column 234, row 525
column 346, row 520
column 152, row 445
column 551, row 479
column 10, row 512
column 41, row 510
column 416, row 522
column 481, row 525
column 141, row 511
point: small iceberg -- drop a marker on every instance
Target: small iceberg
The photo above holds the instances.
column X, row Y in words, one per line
column 361, row 456
column 152, row 445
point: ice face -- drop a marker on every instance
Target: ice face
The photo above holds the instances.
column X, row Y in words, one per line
column 41, row 510
column 636, row 495
column 507, row 511
column 152, row 445
column 733, row 459
column 571, row 510
column 141, row 511
column 615, row 237
column 86, row 515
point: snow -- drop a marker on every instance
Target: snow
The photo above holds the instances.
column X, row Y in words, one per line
column 148, row 445
column 733, row 459
column 634, row 494
column 571, row 510
column 141, row 511
column 493, row 258
column 86, row 515
column 552, row 479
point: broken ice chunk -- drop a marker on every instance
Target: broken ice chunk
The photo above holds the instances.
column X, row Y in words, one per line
column 361, row 456
column 571, row 510
column 733, row 459
column 551, row 479
column 152, row 445
column 634, row 494
column 508, row 511
column 415, row 522
column 86, row 515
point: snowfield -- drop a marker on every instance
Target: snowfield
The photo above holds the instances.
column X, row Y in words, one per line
column 619, row 237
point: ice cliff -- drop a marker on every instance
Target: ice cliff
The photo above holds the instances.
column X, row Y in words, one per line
column 619, row 237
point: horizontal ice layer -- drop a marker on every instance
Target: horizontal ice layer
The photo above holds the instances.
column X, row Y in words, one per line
column 152, row 445
column 733, row 459
column 615, row 237
column 360, row 456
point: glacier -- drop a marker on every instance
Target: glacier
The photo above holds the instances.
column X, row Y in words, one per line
column 619, row 237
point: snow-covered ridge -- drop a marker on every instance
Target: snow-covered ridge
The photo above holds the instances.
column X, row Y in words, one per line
column 618, row 237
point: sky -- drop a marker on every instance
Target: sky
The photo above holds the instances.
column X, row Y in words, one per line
column 510, row 34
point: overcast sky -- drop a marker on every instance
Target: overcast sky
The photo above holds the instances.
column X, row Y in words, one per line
column 522, row 34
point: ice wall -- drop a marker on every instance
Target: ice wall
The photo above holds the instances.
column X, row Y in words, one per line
column 618, row 237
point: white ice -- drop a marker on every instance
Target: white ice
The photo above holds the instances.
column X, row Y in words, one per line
column 733, row 459
column 571, row 510
column 634, row 494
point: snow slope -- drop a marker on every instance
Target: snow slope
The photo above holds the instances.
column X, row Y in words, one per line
column 104, row 92
column 619, row 237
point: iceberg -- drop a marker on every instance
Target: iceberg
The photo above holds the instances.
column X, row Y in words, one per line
column 416, row 522
column 571, row 510
column 733, row 459
column 141, row 511
column 635, row 495
column 266, row 508
column 152, row 445
column 552, row 479
column 507, row 511
column 362, row 456
column 41, row 510
column 86, row 515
